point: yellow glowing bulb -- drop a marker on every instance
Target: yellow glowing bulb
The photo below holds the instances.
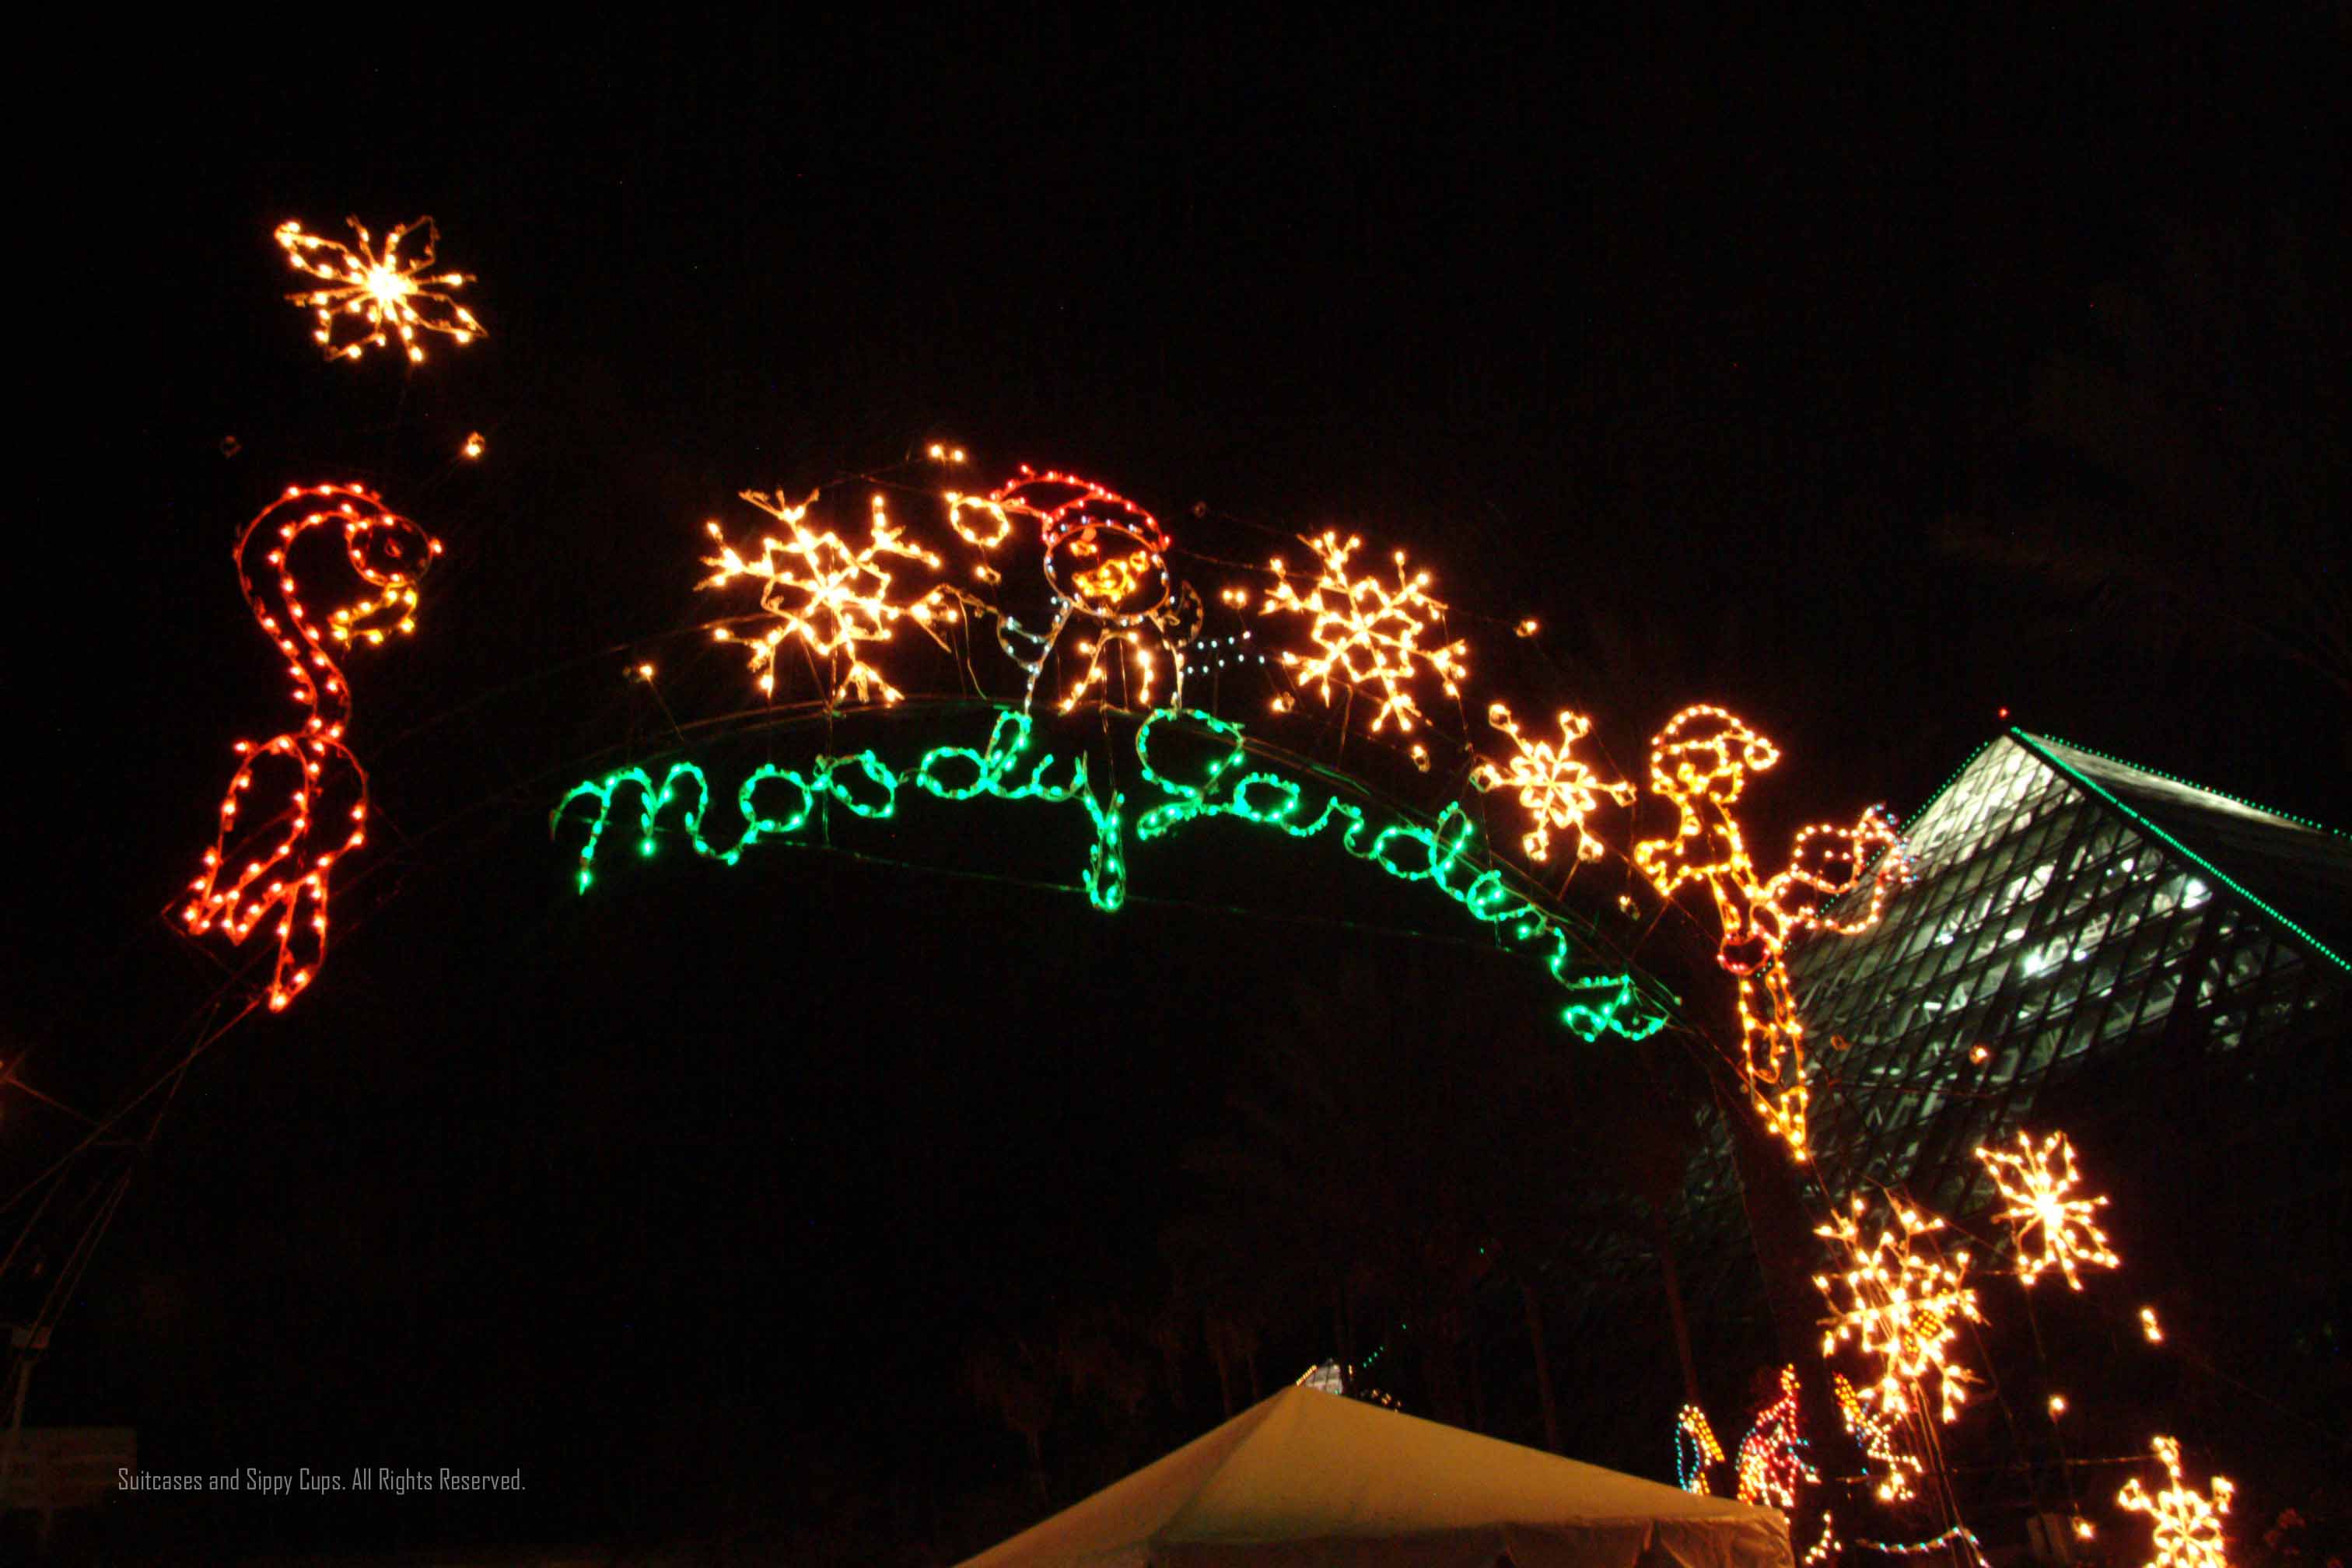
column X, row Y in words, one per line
column 2148, row 1326
column 473, row 446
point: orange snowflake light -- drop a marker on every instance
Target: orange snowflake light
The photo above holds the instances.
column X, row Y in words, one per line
column 281, row 864
column 376, row 292
column 1368, row 635
column 2186, row 1523
column 1558, row 790
column 825, row 595
column 2036, row 1181
column 1901, row 1303
column 1701, row 761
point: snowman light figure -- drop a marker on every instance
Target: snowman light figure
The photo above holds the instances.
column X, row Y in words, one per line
column 1106, row 564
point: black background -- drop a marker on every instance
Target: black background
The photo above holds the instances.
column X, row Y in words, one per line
column 1710, row 344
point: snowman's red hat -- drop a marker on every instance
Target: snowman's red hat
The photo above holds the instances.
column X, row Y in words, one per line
column 1064, row 503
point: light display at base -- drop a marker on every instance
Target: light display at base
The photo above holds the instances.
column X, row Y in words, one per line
column 1772, row 1463
column 377, row 293
column 1892, row 1467
column 1325, row 1377
column 275, row 867
column 1695, row 1450
column 1958, row 1541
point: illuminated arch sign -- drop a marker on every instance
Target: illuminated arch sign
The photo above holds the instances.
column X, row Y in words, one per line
column 779, row 803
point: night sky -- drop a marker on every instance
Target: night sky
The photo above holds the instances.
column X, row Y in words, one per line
column 1870, row 382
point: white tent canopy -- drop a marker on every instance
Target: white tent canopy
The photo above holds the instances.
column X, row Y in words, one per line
column 1310, row 1478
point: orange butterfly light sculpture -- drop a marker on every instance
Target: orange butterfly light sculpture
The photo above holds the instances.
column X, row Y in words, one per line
column 276, row 868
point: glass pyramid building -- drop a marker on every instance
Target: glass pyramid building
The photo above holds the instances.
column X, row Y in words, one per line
column 2070, row 911
column 2085, row 944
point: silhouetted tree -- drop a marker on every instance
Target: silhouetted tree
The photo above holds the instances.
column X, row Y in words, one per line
column 2202, row 499
column 1012, row 1379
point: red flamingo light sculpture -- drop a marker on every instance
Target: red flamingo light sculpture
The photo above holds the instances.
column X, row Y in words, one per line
column 279, row 866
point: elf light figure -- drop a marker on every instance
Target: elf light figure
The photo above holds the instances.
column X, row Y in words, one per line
column 1701, row 761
